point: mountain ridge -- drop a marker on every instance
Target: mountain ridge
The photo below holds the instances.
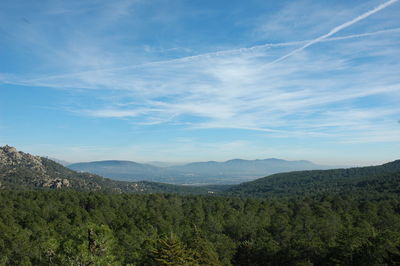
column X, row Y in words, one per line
column 232, row 171
column 19, row 170
column 385, row 177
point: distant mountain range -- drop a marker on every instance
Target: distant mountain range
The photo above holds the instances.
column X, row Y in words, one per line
column 229, row 172
column 128, row 171
column 19, row 170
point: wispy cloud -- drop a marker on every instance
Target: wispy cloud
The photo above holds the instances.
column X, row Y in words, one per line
column 338, row 90
column 251, row 51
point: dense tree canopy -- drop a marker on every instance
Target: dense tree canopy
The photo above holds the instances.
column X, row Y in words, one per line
column 80, row 228
column 373, row 181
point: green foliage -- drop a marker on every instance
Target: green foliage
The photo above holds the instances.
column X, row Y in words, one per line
column 365, row 182
column 80, row 228
column 170, row 251
column 88, row 245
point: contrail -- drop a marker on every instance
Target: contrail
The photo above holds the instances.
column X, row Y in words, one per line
column 222, row 52
column 337, row 29
column 306, row 43
column 360, row 35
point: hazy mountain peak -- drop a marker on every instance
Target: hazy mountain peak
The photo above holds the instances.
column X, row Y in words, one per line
column 235, row 160
column 112, row 162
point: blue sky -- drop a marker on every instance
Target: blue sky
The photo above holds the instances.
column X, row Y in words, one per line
column 183, row 81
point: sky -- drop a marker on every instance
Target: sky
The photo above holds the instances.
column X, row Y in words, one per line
column 181, row 81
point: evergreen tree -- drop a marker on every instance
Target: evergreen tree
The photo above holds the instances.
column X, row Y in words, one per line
column 91, row 245
column 170, row 251
column 204, row 251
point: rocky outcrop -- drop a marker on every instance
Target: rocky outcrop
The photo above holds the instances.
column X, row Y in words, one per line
column 56, row 183
column 33, row 171
column 9, row 156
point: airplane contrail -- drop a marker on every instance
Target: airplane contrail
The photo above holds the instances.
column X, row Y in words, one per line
column 337, row 29
column 306, row 43
column 218, row 53
column 360, row 35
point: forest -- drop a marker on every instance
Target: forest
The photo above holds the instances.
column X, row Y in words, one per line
column 51, row 215
column 363, row 182
column 94, row 228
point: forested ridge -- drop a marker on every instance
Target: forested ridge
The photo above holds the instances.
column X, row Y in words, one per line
column 372, row 181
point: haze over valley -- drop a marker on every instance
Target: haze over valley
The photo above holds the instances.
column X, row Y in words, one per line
column 197, row 173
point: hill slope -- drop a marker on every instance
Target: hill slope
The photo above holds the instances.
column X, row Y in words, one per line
column 245, row 168
column 19, row 170
column 124, row 170
column 372, row 179
column 229, row 172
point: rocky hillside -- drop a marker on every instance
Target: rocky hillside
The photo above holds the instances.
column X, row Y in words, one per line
column 17, row 167
column 19, row 170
